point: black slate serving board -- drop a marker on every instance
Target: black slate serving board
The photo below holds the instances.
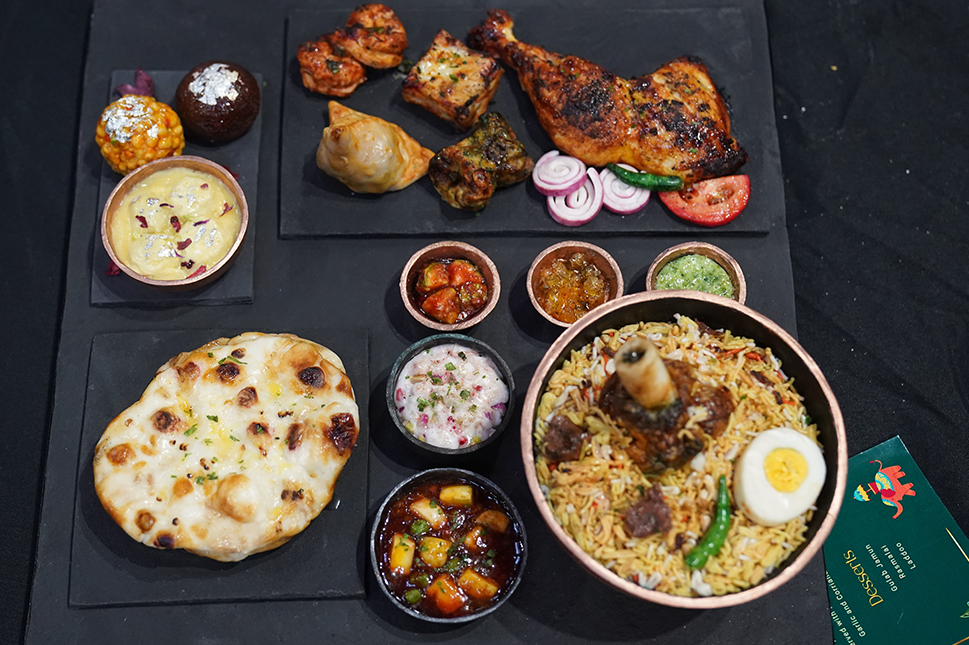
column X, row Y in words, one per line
column 240, row 157
column 315, row 205
column 108, row 568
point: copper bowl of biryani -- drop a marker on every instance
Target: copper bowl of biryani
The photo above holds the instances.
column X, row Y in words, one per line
column 698, row 266
column 175, row 223
column 569, row 279
column 625, row 463
column 449, row 286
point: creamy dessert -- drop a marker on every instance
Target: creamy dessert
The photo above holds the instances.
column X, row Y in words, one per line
column 451, row 396
column 175, row 224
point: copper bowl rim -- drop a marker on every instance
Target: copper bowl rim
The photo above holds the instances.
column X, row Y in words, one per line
column 443, row 473
column 618, row 282
column 809, row 550
column 187, row 161
column 469, row 252
column 715, row 253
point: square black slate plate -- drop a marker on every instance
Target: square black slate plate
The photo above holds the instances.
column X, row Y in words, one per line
column 108, row 568
column 241, row 157
column 626, row 42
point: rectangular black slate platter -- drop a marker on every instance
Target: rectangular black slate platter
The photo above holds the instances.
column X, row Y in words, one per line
column 313, row 204
column 352, row 281
column 108, row 568
column 240, row 156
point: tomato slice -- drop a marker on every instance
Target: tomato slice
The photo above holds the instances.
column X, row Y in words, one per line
column 713, row 202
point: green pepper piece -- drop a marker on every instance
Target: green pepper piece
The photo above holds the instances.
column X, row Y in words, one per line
column 413, row 596
column 713, row 539
column 420, row 580
column 419, row 527
column 646, row 180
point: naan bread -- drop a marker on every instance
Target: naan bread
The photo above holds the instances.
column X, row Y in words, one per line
column 233, row 448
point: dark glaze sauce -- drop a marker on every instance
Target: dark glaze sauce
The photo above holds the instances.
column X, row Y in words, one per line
column 496, row 556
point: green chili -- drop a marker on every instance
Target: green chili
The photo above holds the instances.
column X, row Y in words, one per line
column 646, row 180
column 713, row 539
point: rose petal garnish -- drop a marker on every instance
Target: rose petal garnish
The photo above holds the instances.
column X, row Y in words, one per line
column 204, row 186
column 184, row 244
column 144, row 85
column 142, row 220
column 225, row 208
column 113, row 269
column 198, row 271
column 176, row 224
column 204, row 221
column 187, row 265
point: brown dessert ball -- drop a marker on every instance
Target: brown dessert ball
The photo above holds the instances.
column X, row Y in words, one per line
column 218, row 101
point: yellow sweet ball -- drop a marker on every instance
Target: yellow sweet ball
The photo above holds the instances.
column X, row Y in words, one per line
column 137, row 129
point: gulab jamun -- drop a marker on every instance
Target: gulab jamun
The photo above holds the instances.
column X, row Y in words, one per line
column 218, row 101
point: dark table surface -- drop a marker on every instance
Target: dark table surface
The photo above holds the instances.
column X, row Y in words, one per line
column 870, row 104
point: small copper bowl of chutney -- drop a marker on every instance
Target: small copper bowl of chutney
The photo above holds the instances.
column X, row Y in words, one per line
column 569, row 279
column 449, row 286
column 698, row 266
column 448, row 546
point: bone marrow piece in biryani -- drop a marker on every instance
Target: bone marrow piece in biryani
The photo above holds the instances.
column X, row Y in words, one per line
column 643, row 434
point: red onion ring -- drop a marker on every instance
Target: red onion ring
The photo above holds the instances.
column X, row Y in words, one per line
column 581, row 205
column 620, row 197
column 557, row 175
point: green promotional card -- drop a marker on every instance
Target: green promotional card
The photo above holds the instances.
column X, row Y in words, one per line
column 897, row 563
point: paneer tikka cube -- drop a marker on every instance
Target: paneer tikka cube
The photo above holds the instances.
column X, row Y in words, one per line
column 452, row 81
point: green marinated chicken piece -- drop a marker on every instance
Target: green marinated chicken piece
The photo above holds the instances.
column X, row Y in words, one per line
column 467, row 173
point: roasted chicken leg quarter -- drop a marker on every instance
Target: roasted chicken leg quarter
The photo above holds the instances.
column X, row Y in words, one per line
column 671, row 122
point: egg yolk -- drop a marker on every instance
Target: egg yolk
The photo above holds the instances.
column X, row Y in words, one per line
column 786, row 469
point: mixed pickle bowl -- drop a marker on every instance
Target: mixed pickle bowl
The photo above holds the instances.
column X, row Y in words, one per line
column 438, row 453
column 718, row 313
column 447, row 251
column 596, row 255
column 380, row 565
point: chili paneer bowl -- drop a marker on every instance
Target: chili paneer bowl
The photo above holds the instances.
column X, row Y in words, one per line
column 587, row 484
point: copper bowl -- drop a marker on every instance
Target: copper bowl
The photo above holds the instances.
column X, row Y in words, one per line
column 136, row 176
column 602, row 260
column 443, row 251
column 715, row 253
column 716, row 312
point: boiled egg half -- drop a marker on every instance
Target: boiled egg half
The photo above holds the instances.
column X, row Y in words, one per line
column 779, row 476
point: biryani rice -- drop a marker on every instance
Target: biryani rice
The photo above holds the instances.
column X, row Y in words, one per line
column 589, row 496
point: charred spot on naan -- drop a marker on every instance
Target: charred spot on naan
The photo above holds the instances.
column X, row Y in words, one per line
column 247, row 397
column 182, row 487
column 294, row 436
column 165, row 421
column 342, row 432
column 188, row 372
column 227, row 372
column 121, row 454
column 144, row 521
